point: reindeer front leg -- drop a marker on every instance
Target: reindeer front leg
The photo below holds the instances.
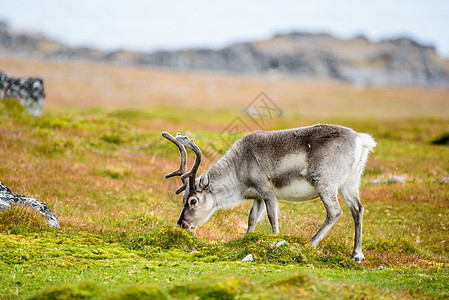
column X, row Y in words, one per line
column 254, row 215
column 271, row 204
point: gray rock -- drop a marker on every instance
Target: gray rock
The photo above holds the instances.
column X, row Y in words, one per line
column 375, row 182
column 281, row 243
column 394, row 62
column 9, row 199
column 4, row 205
column 248, row 258
column 28, row 90
column 391, row 179
column 395, row 179
column 381, row 268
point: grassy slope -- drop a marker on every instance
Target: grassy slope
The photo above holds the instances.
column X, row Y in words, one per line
column 101, row 171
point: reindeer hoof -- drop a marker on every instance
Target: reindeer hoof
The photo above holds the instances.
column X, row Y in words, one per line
column 314, row 243
column 358, row 257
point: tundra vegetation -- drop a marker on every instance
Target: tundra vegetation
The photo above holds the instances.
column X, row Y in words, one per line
column 101, row 171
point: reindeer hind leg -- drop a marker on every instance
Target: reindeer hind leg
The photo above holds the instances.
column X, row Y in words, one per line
column 333, row 213
column 350, row 194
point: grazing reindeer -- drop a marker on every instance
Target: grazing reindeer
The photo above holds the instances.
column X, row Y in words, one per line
column 294, row 164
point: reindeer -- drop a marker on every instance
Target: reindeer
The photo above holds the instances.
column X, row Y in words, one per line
column 294, row 164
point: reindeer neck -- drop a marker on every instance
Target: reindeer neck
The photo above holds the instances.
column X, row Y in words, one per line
column 223, row 176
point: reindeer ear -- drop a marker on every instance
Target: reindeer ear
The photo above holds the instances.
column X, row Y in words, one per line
column 204, row 181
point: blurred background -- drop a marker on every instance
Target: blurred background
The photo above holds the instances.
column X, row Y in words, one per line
column 219, row 55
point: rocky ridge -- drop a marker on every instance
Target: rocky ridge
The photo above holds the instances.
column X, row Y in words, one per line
column 400, row 61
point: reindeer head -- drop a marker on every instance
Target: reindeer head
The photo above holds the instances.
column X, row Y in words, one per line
column 197, row 199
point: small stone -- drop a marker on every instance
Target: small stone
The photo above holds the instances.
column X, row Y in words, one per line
column 445, row 180
column 281, row 243
column 395, row 179
column 248, row 258
column 375, row 182
column 391, row 179
column 381, row 268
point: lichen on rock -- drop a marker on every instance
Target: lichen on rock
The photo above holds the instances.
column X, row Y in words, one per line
column 9, row 199
column 29, row 91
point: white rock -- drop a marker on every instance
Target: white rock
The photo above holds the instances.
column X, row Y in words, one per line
column 8, row 198
column 375, row 182
column 391, row 179
column 395, row 179
column 3, row 205
column 281, row 243
column 248, row 258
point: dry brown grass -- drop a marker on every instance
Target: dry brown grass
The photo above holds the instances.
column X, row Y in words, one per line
column 98, row 85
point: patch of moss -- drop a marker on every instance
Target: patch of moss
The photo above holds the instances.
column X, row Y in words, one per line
column 17, row 249
column 165, row 238
column 54, row 122
column 56, row 148
column 131, row 114
column 336, row 261
column 148, row 220
column 85, row 290
column 15, row 256
column 292, row 280
column 398, row 245
column 11, row 108
column 287, row 254
column 115, row 172
column 262, row 247
column 226, row 288
column 140, row 292
column 113, row 138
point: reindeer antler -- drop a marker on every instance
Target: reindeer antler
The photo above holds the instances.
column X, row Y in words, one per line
column 192, row 173
column 183, row 166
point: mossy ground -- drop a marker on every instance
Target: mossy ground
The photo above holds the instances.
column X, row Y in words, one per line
column 101, row 171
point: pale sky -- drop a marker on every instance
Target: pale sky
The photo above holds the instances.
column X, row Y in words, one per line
column 150, row 25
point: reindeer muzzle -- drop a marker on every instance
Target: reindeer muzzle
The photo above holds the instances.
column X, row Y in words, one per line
column 186, row 226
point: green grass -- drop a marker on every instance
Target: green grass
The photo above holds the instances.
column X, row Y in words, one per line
column 102, row 173
column 72, row 264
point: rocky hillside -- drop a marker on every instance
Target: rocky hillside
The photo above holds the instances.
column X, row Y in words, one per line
column 391, row 62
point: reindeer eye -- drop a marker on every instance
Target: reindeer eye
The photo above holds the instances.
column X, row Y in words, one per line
column 193, row 201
